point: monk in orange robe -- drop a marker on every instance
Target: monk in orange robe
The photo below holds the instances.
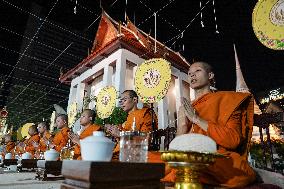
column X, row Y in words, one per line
column 143, row 117
column 45, row 136
column 9, row 145
column 226, row 117
column 32, row 142
column 86, row 121
column 61, row 137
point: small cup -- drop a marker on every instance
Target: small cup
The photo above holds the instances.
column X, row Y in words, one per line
column 8, row 156
column 26, row 155
column 133, row 146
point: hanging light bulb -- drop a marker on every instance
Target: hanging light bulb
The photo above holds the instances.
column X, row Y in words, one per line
column 75, row 8
column 215, row 18
column 201, row 19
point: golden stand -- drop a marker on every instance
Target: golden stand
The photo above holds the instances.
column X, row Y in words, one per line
column 188, row 166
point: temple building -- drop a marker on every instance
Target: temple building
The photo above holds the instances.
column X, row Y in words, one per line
column 117, row 51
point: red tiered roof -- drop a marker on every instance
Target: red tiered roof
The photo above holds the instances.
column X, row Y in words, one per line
column 111, row 36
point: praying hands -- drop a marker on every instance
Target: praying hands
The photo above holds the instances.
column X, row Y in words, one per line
column 191, row 114
column 112, row 129
column 74, row 138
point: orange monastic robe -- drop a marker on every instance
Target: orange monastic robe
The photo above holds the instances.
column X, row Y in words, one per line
column 85, row 133
column 42, row 145
column 9, row 148
column 143, row 120
column 230, row 121
column 29, row 143
column 61, row 139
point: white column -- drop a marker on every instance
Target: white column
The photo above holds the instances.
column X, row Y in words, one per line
column 163, row 113
column 178, row 91
column 120, row 73
column 72, row 95
column 178, row 88
column 107, row 77
column 80, row 95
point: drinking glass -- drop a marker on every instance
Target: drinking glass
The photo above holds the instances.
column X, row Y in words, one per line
column 133, row 146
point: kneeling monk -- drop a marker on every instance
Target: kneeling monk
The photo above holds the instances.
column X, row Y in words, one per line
column 226, row 117
column 86, row 120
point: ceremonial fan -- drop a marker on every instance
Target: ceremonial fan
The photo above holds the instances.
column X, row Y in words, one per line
column 268, row 23
column 106, row 100
column 152, row 81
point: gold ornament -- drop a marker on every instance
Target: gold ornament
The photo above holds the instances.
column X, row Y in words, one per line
column 188, row 166
column 268, row 23
column 106, row 102
column 152, row 80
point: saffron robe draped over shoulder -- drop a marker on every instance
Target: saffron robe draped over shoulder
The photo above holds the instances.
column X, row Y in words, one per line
column 9, row 148
column 29, row 143
column 230, row 123
column 61, row 139
column 143, row 120
column 42, row 142
column 85, row 133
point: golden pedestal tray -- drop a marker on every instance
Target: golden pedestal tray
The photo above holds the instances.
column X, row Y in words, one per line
column 188, row 166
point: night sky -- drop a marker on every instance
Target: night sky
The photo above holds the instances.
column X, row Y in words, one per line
column 262, row 67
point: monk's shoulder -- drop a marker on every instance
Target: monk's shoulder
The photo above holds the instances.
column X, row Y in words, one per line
column 65, row 131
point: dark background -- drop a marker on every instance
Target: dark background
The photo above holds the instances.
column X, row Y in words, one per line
column 32, row 87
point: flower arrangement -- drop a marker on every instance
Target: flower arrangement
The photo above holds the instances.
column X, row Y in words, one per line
column 117, row 117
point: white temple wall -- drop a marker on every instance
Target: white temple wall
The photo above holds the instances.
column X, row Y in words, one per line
column 119, row 70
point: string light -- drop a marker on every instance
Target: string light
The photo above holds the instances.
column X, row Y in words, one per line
column 179, row 35
column 201, row 20
column 215, row 18
column 27, row 56
column 163, row 19
column 43, row 44
column 29, row 44
column 46, row 21
column 51, row 63
column 156, row 12
column 44, row 111
column 75, row 8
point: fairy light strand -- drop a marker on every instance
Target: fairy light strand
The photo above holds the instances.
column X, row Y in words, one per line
column 145, row 20
column 201, row 19
column 30, row 42
column 51, row 63
column 49, row 22
column 189, row 24
column 215, row 18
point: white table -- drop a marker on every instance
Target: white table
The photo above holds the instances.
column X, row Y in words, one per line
column 25, row 180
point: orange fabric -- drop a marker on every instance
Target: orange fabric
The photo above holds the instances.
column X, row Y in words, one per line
column 87, row 132
column 61, row 139
column 9, row 148
column 42, row 145
column 230, row 121
column 29, row 143
column 143, row 120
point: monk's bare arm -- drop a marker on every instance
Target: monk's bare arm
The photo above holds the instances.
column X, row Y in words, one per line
column 183, row 122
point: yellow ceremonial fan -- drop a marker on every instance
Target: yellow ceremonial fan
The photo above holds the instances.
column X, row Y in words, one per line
column 106, row 102
column 152, row 80
column 25, row 130
column 268, row 23
column 72, row 112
